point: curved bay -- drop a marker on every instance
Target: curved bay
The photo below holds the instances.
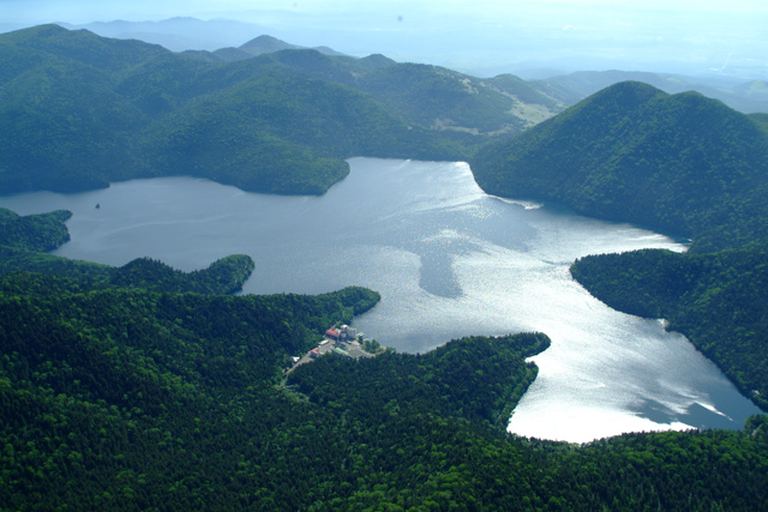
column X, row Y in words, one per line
column 449, row 261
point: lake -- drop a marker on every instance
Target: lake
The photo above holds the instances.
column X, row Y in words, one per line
column 449, row 261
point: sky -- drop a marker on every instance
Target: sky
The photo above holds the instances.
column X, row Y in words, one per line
column 673, row 35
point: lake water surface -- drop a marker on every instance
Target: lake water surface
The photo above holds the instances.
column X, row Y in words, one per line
column 449, row 261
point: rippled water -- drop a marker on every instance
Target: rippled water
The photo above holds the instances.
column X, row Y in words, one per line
column 449, row 261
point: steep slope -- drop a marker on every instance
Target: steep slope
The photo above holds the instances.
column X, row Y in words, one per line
column 684, row 164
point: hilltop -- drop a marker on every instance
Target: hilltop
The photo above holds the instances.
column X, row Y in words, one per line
column 683, row 164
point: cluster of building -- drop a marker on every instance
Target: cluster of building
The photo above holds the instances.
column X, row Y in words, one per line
column 343, row 340
column 343, row 334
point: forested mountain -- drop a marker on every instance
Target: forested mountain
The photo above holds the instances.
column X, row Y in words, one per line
column 78, row 111
column 684, row 164
column 125, row 398
column 267, row 44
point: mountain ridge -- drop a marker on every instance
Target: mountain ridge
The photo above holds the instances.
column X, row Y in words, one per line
column 79, row 111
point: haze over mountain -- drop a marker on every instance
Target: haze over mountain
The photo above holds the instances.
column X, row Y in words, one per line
column 178, row 33
column 237, row 40
column 264, row 44
column 482, row 38
column 79, row 110
column 744, row 95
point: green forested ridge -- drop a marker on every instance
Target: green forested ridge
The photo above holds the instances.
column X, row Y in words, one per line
column 684, row 164
column 474, row 378
column 78, row 111
column 224, row 276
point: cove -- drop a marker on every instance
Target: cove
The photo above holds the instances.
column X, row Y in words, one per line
column 449, row 261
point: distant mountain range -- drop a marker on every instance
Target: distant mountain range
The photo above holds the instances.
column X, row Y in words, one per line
column 234, row 40
column 267, row 44
column 745, row 96
column 177, row 34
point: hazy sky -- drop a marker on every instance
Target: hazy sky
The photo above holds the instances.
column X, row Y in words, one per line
column 640, row 34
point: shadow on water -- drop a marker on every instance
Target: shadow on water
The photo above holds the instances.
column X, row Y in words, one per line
column 696, row 416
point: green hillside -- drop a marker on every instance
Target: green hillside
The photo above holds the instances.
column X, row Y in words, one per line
column 78, row 111
column 433, row 97
column 43, row 232
column 683, row 164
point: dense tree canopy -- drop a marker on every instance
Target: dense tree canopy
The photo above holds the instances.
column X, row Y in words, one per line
column 145, row 388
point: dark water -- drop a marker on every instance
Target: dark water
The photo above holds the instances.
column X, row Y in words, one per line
column 449, row 261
